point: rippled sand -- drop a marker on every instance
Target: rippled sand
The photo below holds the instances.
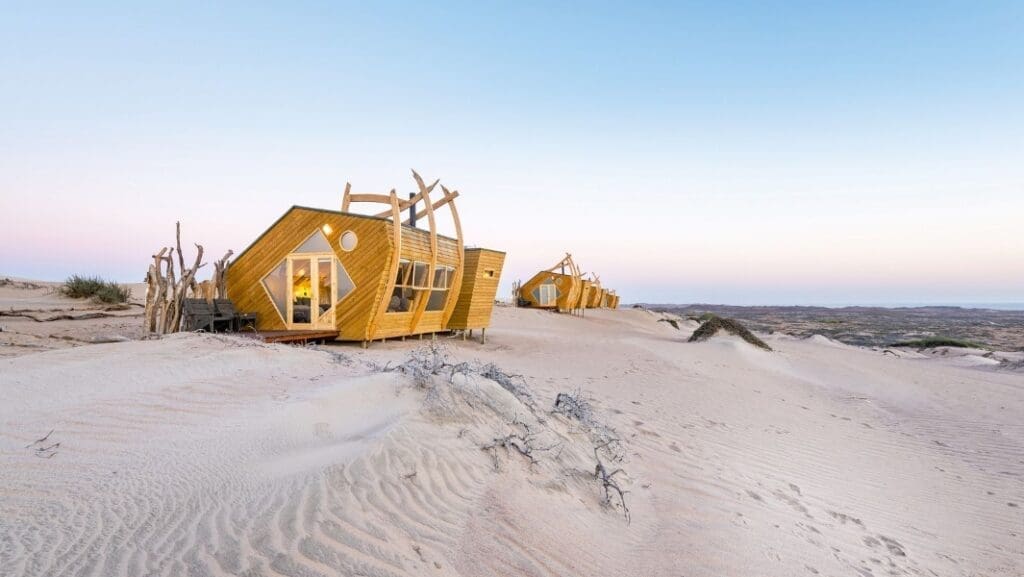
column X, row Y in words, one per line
column 200, row 455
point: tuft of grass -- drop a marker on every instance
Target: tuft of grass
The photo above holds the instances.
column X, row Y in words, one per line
column 673, row 322
column 715, row 323
column 932, row 342
column 94, row 287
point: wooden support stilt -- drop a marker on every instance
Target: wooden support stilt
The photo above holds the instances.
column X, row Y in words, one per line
column 365, row 344
column 483, row 336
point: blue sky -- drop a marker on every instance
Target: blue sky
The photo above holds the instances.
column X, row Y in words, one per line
column 755, row 152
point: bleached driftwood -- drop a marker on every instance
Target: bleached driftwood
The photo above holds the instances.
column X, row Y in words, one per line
column 220, row 272
column 166, row 291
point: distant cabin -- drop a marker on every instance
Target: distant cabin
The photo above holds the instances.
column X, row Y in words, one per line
column 367, row 277
column 558, row 287
column 584, row 298
column 594, row 295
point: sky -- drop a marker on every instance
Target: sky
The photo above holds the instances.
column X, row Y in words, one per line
column 716, row 152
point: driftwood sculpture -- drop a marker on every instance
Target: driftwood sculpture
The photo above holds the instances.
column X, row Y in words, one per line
column 166, row 291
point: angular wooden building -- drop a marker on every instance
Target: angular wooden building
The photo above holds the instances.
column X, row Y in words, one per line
column 479, row 286
column 613, row 300
column 365, row 277
column 593, row 297
column 558, row 287
column 584, row 298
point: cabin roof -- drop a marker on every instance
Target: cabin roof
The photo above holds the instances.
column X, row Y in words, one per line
column 327, row 211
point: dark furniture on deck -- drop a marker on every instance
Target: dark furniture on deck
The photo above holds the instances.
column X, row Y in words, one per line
column 218, row 316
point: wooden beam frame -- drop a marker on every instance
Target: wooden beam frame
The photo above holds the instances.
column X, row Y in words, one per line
column 396, row 256
column 398, row 205
column 421, row 303
column 454, row 284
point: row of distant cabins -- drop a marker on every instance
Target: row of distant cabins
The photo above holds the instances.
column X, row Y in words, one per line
column 358, row 277
column 563, row 287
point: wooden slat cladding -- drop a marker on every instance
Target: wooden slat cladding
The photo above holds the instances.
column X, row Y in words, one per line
column 416, row 247
column 365, row 266
column 566, row 276
column 567, row 290
column 369, row 265
column 581, row 303
column 481, row 276
column 594, row 297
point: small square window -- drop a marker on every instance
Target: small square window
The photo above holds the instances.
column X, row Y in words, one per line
column 419, row 275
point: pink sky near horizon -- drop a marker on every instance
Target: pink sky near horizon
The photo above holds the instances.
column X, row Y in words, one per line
column 649, row 256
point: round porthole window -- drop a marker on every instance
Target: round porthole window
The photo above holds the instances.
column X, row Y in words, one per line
column 348, row 241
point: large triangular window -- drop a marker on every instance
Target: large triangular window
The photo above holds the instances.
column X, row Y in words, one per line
column 276, row 284
column 316, row 242
column 345, row 284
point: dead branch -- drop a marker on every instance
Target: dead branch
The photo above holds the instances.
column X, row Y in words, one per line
column 609, row 484
column 40, row 440
column 220, row 271
column 512, row 441
column 168, row 286
column 64, row 317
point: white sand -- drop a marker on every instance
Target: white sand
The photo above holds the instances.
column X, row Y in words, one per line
column 33, row 330
column 212, row 456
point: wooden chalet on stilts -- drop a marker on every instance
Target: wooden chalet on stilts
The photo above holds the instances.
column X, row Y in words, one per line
column 366, row 277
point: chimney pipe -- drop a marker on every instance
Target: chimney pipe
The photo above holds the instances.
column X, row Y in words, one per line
column 412, row 211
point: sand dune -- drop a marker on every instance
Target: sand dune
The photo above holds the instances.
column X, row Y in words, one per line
column 207, row 455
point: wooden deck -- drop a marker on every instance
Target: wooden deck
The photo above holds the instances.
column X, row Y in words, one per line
column 291, row 336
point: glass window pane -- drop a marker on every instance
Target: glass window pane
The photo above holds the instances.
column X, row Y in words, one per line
column 545, row 294
column 323, row 271
column 402, row 278
column 302, row 288
column 440, row 278
column 419, row 275
column 345, row 284
column 276, row 284
column 401, row 300
column 317, row 242
column 436, row 301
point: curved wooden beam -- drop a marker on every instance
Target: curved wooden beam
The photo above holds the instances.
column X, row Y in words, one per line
column 455, row 284
column 380, row 198
column 421, row 305
column 396, row 255
column 345, row 200
column 440, row 203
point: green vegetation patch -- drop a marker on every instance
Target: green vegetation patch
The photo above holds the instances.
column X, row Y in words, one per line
column 713, row 324
column 673, row 322
column 932, row 342
column 94, row 287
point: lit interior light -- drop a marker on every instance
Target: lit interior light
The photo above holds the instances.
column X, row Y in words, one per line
column 327, row 229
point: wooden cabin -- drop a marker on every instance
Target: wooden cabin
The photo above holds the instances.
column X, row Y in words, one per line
column 479, row 287
column 365, row 277
column 584, row 299
column 613, row 300
column 593, row 298
column 558, row 287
